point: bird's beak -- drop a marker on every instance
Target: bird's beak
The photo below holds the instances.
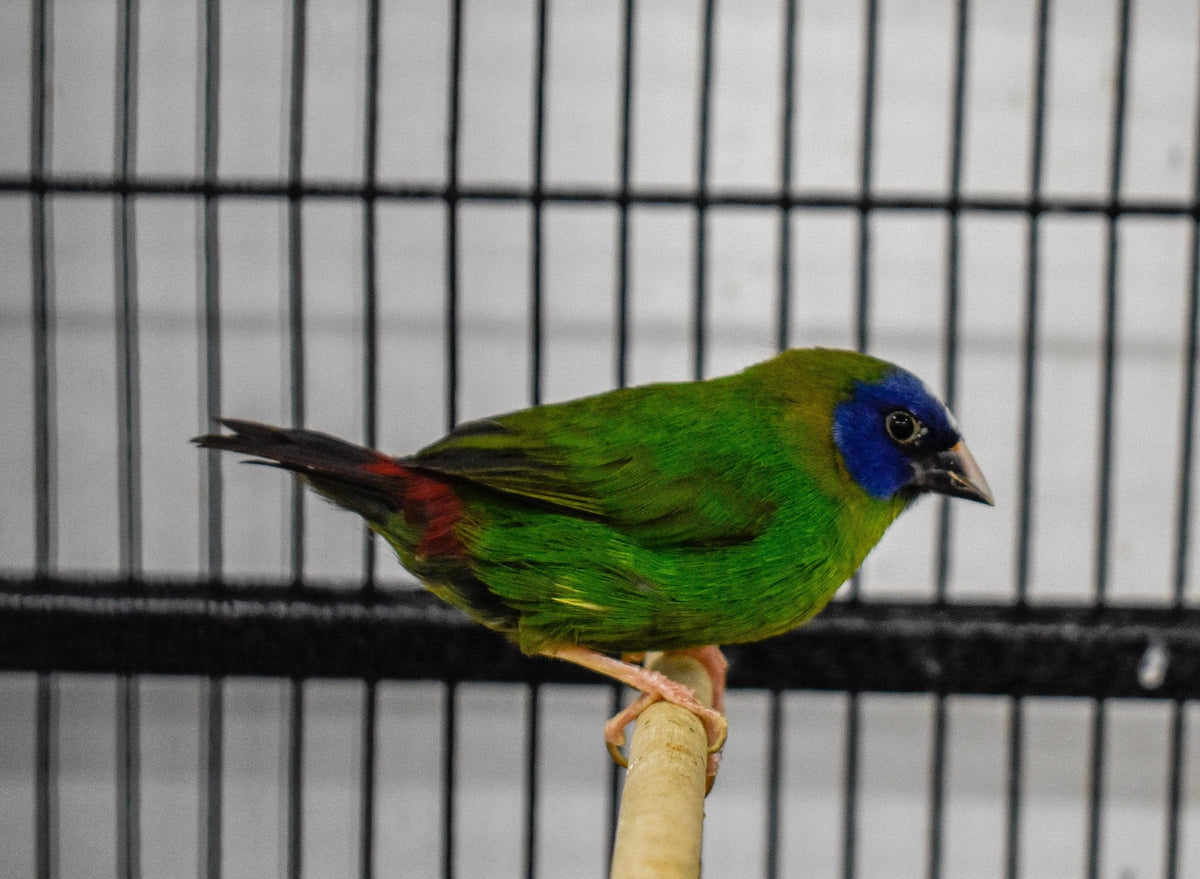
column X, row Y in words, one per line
column 955, row 473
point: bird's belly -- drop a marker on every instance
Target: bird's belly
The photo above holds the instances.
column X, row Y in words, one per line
column 545, row 586
column 669, row 606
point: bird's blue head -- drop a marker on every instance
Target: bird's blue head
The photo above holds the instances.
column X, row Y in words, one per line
column 896, row 438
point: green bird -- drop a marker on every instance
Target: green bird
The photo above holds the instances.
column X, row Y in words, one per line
column 663, row 517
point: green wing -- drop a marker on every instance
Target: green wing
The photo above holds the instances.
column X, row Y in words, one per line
column 652, row 462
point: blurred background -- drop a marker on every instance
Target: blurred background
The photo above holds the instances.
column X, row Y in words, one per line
column 379, row 218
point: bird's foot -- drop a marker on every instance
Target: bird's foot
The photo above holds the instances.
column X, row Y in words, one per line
column 654, row 687
column 715, row 725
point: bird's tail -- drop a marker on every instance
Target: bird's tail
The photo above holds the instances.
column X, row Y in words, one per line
column 359, row 479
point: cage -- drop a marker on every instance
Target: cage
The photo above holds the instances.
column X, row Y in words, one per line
column 381, row 217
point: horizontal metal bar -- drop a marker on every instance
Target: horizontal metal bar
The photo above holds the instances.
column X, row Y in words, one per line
column 669, row 197
column 214, row 628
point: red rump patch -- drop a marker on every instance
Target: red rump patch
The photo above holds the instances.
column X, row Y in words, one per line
column 429, row 500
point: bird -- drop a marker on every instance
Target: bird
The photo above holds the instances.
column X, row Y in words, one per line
column 663, row 517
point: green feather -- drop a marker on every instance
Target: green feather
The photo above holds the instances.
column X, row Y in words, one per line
column 657, row 517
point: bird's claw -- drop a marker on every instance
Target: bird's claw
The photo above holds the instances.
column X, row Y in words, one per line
column 614, row 751
column 717, row 733
column 716, row 726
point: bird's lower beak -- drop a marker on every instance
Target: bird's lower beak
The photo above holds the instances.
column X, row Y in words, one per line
column 955, row 473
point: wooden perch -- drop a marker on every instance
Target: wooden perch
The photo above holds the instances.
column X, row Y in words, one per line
column 662, row 808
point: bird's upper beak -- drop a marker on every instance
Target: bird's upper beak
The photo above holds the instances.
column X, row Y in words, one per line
column 955, row 473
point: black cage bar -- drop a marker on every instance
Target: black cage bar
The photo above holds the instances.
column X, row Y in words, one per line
column 1096, row 638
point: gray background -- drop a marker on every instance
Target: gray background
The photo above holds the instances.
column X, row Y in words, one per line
column 906, row 324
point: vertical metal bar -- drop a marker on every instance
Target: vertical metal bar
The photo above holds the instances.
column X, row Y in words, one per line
column 128, row 779
column 1104, row 494
column 937, row 781
column 449, row 748
column 699, row 322
column 953, row 248
column 128, row 398
column 214, row 697
column 1095, row 789
column 862, row 341
column 784, row 321
column 45, row 752
column 1012, row 821
column 937, row 785
column 1033, row 252
column 213, row 761
column 370, row 397
column 370, row 401
column 1177, row 744
column 626, row 135
column 774, row 782
column 535, row 233
column 622, row 355
column 211, row 286
column 532, row 726
column 43, row 308
column 128, row 433
column 788, row 87
column 850, row 787
column 451, row 197
column 1108, row 376
column 45, row 778
column 1187, row 443
column 294, row 845
column 295, row 256
column 366, row 784
column 1016, row 724
column 1176, row 763
column 450, row 719
column 536, row 344
column 370, row 391
column 866, row 153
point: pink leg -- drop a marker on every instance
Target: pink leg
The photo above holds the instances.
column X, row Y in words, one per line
column 654, row 686
column 716, row 665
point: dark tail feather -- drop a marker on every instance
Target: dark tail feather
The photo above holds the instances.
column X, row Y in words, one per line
column 367, row 482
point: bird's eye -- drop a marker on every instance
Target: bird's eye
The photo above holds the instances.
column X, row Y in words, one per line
column 902, row 426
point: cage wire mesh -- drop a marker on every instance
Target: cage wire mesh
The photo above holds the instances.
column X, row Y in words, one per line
column 380, row 218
